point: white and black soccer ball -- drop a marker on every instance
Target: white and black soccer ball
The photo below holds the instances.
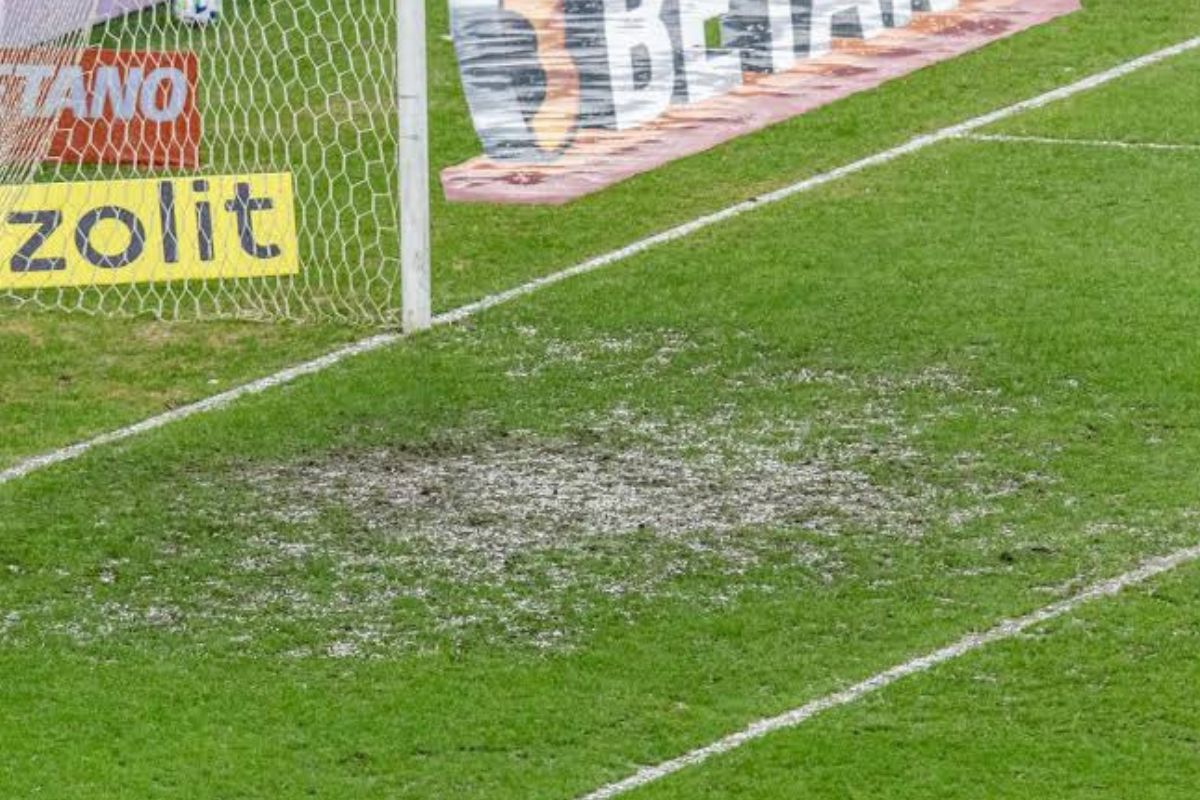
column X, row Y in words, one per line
column 197, row 12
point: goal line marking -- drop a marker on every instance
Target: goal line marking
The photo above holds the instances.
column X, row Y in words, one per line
column 1006, row 629
column 31, row 465
column 1098, row 143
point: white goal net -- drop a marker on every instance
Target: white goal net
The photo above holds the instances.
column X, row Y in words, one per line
column 47, row 32
column 244, row 168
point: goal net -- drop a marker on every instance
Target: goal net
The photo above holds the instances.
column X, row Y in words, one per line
column 236, row 167
column 47, row 32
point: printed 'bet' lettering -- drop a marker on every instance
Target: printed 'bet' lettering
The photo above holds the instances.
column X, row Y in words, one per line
column 570, row 96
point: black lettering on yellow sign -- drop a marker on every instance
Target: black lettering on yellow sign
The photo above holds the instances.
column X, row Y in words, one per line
column 81, row 234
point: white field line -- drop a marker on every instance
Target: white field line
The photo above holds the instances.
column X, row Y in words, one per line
column 1007, row 629
column 23, row 468
column 1102, row 143
column 31, row 465
column 912, row 146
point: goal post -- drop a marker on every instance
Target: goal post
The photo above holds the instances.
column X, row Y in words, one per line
column 415, row 280
column 216, row 159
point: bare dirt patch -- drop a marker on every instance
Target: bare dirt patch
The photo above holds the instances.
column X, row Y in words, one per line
column 530, row 539
column 522, row 537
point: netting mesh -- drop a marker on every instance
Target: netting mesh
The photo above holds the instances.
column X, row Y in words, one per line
column 50, row 32
column 181, row 148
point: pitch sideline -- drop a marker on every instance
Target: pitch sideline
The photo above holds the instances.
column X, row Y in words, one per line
column 216, row 402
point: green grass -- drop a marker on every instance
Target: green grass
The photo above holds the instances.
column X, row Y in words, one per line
column 1118, row 719
column 982, row 355
column 53, row 395
column 483, row 249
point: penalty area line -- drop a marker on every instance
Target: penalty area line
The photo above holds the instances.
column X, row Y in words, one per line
column 1094, row 143
column 1007, row 629
column 31, row 465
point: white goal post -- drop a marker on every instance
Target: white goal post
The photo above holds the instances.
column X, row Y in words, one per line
column 415, row 278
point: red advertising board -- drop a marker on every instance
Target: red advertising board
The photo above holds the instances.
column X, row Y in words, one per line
column 571, row 97
column 136, row 108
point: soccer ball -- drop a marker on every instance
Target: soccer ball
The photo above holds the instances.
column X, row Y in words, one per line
column 197, row 12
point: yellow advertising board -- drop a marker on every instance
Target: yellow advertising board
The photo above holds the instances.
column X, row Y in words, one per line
column 149, row 231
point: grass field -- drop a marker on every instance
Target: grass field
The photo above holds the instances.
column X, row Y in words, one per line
column 485, row 249
column 624, row 517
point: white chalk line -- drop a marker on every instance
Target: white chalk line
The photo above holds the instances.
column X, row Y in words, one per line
column 1113, row 144
column 29, row 466
column 212, row 403
column 1006, row 629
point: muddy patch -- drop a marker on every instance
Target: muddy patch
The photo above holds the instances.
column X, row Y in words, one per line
column 524, row 538
column 532, row 539
column 498, row 498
